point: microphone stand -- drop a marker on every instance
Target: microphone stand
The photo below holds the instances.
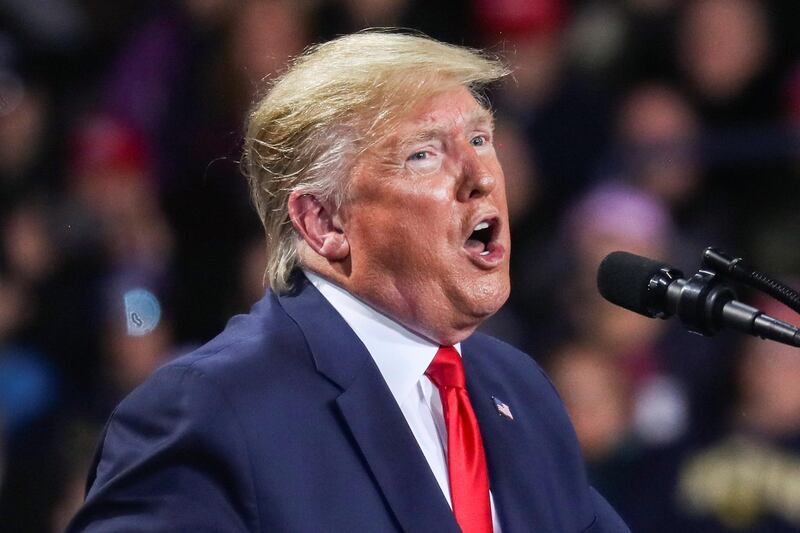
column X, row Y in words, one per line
column 736, row 269
column 706, row 304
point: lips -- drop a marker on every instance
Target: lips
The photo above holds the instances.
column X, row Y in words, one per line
column 482, row 244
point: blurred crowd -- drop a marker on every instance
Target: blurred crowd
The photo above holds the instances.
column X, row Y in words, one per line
column 658, row 127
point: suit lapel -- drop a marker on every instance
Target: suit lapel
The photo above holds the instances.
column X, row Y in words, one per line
column 394, row 456
column 510, row 479
column 371, row 414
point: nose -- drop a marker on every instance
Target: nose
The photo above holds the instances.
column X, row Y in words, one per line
column 477, row 180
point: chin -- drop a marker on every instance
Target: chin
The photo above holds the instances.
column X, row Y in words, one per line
column 465, row 313
column 486, row 299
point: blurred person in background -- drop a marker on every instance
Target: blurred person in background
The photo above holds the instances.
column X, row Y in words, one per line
column 112, row 181
column 135, row 337
column 598, row 398
column 610, row 217
column 733, row 70
column 678, row 381
column 659, row 133
column 25, row 150
column 658, row 148
column 725, row 48
column 619, row 43
column 745, row 478
column 749, row 480
column 618, row 217
column 562, row 115
column 615, row 432
column 530, row 33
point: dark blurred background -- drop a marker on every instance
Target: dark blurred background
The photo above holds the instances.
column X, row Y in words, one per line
column 654, row 126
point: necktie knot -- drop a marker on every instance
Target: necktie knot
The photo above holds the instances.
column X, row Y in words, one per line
column 446, row 369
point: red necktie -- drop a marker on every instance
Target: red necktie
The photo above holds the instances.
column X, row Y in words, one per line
column 466, row 461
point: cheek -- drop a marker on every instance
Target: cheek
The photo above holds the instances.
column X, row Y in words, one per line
column 419, row 213
column 388, row 238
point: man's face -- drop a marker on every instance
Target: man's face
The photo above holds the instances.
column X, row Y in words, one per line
column 427, row 222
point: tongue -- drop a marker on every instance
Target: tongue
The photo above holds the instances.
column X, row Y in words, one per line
column 474, row 245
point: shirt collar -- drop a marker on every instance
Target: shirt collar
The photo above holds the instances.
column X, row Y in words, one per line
column 402, row 356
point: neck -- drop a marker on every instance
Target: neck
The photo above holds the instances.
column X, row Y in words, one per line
column 404, row 309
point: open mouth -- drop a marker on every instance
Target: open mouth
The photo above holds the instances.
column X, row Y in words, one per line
column 480, row 240
column 483, row 244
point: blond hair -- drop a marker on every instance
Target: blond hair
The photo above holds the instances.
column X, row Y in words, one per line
column 331, row 103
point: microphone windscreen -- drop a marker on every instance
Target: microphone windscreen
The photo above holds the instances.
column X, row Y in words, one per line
column 623, row 278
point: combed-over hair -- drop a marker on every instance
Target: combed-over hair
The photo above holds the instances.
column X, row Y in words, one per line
column 332, row 102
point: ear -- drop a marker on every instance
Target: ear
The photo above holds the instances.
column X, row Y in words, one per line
column 318, row 225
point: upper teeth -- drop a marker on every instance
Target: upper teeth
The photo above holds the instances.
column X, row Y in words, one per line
column 482, row 225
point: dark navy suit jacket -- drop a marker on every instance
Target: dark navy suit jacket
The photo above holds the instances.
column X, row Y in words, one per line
column 284, row 423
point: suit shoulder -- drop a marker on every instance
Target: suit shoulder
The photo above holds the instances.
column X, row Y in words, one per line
column 263, row 340
column 257, row 359
column 146, row 452
column 484, row 341
column 503, row 353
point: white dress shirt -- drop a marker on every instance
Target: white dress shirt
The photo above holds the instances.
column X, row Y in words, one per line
column 402, row 357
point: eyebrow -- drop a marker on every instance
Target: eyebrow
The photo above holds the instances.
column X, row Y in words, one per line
column 475, row 118
column 479, row 117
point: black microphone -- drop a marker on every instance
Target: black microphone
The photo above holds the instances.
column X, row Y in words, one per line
column 703, row 302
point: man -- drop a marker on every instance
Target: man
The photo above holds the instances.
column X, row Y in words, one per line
column 339, row 403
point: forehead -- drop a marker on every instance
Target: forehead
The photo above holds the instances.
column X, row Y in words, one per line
column 452, row 110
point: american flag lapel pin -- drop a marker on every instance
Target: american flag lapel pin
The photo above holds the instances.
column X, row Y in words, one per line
column 502, row 409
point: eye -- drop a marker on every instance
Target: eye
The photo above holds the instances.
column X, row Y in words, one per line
column 480, row 140
column 424, row 161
